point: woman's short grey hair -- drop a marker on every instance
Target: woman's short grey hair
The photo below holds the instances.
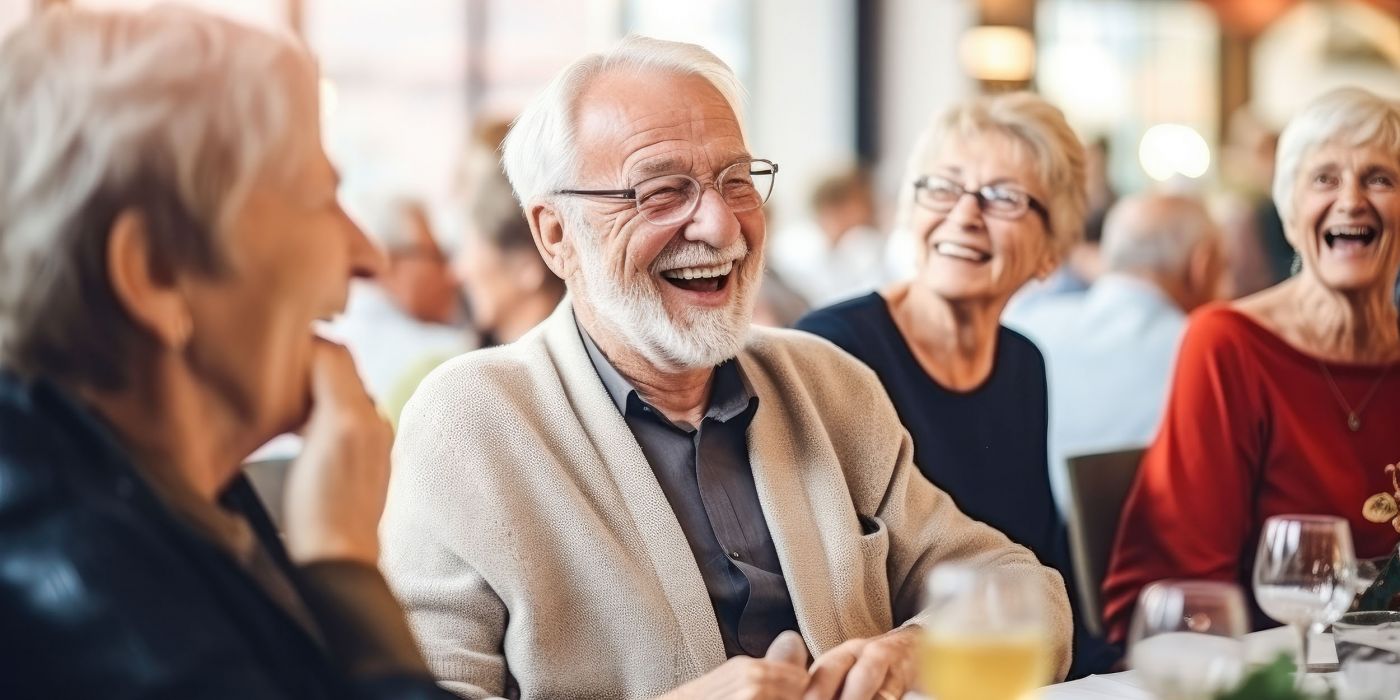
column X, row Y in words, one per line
column 1348, row 116
column 540, row 152
column 170, row 113
column 1035, row 125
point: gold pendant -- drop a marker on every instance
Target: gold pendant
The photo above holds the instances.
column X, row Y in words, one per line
column 1353, row 422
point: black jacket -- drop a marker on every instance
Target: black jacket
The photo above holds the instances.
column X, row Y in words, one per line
column 106, row 593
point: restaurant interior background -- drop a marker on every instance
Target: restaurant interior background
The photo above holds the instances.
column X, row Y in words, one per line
column 1184, row 92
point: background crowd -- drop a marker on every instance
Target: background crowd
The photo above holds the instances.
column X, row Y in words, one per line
column 1056, row 253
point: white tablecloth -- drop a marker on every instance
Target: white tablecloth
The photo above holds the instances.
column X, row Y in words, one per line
column 1261, row 647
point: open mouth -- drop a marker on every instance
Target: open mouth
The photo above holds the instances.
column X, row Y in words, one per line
column 958, row 251
column 1349, row 237
column 700, row 279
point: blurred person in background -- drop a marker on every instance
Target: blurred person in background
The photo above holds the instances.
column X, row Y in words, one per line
column 838, row 253
column 508, row 287
column 1285, row 401
column 1110, row 350
column 778, row 304
column 646, row 496
column 1252, row 233
column 412, row 310
column 1082, row 263
column 993, row 197
column 169, row 232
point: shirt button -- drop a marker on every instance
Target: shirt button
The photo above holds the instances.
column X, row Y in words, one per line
column 735, row 555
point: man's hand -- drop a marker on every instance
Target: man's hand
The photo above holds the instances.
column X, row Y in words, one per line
column 336, row 488
column 877, row 668
column 779, row 675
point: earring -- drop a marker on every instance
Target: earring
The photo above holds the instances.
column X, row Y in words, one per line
column 1297, row 265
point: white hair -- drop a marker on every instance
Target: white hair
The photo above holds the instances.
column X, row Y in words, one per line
column 1154, row 232
column 540, row 154
column 1348, row 116
column 170, row 112
column 1032, row 123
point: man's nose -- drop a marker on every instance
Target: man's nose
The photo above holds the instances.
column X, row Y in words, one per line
column 714, row 222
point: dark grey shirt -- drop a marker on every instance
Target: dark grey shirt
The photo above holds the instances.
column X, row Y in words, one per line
column 705, row 475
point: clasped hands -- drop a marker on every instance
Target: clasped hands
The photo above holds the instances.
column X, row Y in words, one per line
column 875, row 668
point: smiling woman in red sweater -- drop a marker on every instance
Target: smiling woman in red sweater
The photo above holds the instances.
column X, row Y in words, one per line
column 1287, row 401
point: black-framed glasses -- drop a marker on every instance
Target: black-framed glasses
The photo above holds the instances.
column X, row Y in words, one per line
column 1002, row 201
column 671, row 199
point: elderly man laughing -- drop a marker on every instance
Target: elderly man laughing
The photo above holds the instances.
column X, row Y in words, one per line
column 644, row 486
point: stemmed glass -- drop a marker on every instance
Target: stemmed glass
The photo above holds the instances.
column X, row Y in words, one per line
column 1304, row 574
column 987, row 639
column 1185, row 639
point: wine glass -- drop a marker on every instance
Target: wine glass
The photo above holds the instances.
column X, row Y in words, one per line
column 1185, row 639
column 988, row 638
column 1304, row 573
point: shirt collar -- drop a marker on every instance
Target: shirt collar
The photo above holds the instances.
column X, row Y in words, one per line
column 730, row 394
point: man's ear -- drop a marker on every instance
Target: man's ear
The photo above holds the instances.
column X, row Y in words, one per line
column 547, row 226
column 155, row 305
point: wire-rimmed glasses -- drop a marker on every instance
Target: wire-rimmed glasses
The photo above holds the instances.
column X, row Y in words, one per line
column 671, row 199
column 1002, row 201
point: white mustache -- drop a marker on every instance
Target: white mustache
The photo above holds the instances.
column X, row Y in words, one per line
column 693, row 254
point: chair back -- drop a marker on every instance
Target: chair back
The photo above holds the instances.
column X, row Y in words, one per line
column 1098, row 486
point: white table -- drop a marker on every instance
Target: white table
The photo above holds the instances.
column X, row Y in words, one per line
column 1261, row 647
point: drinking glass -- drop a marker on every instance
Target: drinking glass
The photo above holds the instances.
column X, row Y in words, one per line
column 1304, row 574
column 987, row 639
column 1185, row 639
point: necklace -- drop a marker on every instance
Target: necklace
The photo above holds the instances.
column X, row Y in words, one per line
column 1353, row 415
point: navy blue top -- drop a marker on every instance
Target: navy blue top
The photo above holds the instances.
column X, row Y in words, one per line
column 985, row 447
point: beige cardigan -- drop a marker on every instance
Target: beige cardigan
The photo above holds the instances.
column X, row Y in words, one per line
column 527, row 536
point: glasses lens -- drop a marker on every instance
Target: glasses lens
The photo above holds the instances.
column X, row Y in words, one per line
column 746, row 185
column 938, row 194
column 1004, row 201
column 667, row 199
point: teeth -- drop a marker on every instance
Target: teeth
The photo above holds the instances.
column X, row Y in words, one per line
column 1350, row 231
column 700, row 273
column 958, row 250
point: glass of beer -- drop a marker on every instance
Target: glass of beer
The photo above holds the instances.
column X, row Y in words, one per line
column 987, row 639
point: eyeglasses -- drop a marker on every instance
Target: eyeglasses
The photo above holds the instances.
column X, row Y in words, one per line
column 1003, row 202
column 670, row 199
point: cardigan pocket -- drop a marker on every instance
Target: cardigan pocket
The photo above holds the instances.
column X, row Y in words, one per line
column 874, row 551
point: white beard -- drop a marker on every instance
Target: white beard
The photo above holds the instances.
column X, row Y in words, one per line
column 632, row 309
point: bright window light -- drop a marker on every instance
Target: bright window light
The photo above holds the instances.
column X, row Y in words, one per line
column 1168, row 150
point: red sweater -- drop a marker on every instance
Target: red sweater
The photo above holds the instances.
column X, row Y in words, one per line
column 1251, row 430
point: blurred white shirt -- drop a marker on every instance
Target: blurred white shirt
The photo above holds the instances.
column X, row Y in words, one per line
column 386, row 342
column 825, row 275
column 1109, row 354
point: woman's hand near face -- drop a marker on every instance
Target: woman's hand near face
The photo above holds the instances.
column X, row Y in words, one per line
column 336, row 488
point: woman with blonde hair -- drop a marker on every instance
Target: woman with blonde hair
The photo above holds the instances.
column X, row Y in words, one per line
column 993, row 197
